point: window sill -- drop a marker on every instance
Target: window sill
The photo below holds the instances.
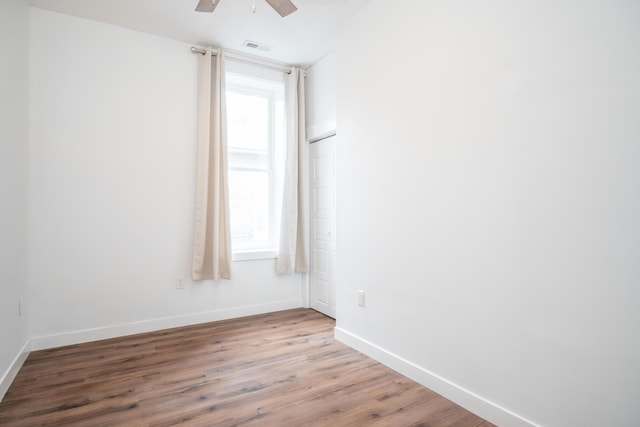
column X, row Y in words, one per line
column 253, row 255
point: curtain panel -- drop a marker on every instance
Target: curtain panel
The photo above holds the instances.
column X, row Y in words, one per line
column 293, row 254
column 212, row 235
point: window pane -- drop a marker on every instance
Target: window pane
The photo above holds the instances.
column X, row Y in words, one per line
column 249, row 209
column 248, row 160
column 248, row 122
column 255, row 129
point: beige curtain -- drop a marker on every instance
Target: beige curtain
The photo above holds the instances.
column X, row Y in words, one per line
column 293, row 252
column 212, row 235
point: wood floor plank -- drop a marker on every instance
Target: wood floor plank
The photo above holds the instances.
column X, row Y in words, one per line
column 277, row 369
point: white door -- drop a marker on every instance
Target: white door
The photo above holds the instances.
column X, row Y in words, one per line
column 322, row 291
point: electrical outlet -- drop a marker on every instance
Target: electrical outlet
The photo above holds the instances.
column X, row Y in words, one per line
column 179, row 282
column 360, row 297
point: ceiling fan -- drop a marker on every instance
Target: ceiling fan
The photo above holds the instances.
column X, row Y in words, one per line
column 283, row 7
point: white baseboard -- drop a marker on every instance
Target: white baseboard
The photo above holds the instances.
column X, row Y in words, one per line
column 468, row 400
column 87, row 335
column 12, row 371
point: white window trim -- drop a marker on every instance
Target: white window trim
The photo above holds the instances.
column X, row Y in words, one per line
column 263, row 253
column 240, row 256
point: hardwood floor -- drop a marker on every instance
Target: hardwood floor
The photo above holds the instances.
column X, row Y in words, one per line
column 280, row 369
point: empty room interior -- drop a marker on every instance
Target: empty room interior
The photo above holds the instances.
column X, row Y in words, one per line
column 320, row 212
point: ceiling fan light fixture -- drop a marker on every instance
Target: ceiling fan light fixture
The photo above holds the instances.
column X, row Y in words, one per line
column 283, row 7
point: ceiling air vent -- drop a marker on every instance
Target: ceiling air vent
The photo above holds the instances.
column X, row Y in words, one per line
column 257, row 46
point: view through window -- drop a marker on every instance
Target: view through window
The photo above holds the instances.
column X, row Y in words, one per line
column 255, row 129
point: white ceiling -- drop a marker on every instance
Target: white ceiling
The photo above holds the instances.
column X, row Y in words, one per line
column 301, row 38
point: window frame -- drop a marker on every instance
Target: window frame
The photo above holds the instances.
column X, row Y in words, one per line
column 239, row 83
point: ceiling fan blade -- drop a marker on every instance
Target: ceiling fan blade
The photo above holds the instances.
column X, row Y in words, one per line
column 207, row 5
column 283, row 7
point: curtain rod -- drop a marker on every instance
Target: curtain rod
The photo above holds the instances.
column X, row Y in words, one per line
column 214, row 52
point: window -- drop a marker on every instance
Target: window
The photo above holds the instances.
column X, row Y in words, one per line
column 255, row 129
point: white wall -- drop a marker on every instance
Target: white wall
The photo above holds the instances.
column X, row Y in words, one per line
column 320, row 91
column 112, row 170
column 489, row 200
column 14, row 45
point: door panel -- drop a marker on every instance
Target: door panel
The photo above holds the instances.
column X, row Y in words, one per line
column 322, row 278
